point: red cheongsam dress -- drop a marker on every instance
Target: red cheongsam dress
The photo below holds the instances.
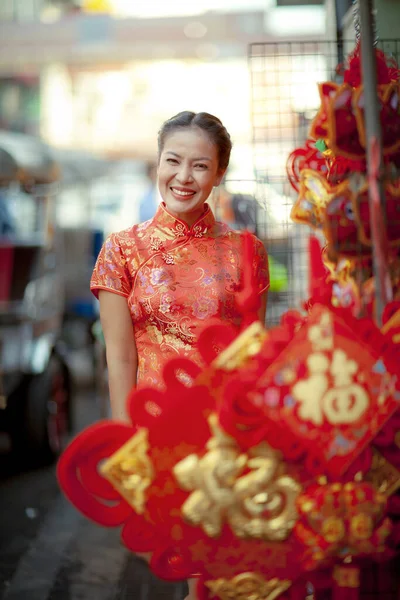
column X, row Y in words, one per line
column 175, row 278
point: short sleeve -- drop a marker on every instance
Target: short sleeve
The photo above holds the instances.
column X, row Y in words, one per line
column 111, row 272
column 260, row 265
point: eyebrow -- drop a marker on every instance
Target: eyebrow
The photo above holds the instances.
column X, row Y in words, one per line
column 194, row 159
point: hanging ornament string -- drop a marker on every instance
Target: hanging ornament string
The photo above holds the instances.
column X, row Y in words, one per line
column 356, row 22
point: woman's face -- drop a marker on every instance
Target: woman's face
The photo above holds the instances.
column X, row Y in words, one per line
column 187, row 172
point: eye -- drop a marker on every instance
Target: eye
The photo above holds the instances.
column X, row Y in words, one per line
column 172, row 161
column 201, row 166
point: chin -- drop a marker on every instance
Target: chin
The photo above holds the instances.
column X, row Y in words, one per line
column 185, row 208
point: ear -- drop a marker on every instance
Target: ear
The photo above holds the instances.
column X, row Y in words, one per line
column 220, row 176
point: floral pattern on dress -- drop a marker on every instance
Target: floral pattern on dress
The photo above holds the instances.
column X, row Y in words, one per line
column 160, row 277
column 204, row 307
column 170, row 301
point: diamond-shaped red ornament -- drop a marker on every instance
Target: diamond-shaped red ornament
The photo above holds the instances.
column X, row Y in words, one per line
column 330, row 390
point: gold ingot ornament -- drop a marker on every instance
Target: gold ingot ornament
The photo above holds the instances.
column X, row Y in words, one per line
column 130, row 470
column 250, row 492
column 248, row 586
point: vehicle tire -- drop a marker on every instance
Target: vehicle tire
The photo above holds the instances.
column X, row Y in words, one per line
column 47, row 412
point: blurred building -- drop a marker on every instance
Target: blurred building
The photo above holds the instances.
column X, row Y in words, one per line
column 103, row 74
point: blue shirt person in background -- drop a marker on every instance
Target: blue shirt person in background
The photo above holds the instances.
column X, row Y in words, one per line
column 149, row 202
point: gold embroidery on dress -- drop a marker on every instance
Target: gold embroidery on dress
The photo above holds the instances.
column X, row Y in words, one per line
column 168, row 258
column 130, row 471
column 199, row 231
column 248, row 586
column 248, row 491
column 156, row 244
column 180, row 229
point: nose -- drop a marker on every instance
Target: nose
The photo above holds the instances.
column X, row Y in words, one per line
column 184, row 173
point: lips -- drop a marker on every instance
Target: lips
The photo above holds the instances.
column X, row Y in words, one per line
column 181, row 192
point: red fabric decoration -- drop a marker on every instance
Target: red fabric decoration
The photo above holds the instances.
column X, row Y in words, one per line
column 339, row 521
column 318, row 273
column 308, row 157
column 248, row 299
column 181, row 549
column 387, row 70
column 79, row 477
column 342, row 132
column 319, row 126
column 294, row 397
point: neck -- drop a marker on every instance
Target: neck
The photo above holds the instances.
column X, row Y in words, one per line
column 188, row 218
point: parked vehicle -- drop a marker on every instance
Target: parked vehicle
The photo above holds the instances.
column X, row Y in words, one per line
column 34, row 376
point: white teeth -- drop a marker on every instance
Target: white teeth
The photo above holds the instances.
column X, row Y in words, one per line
column 181, row 193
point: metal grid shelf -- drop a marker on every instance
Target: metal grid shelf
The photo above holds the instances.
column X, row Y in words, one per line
column 284, row 100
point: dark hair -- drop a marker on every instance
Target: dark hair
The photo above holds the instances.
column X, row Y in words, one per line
column 208, row 123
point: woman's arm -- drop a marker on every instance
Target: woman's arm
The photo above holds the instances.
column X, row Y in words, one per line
column 121, row 351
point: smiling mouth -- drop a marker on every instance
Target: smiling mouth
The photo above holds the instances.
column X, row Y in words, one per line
column 182, row 193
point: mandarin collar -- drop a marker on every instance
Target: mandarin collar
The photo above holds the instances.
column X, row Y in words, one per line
column 165, row 221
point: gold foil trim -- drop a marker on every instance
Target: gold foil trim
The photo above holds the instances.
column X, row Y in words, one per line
column 347, row 577
column 249, row 491
column 248, row 586
column 130, row 471
column 383, row 475
column 245, row 346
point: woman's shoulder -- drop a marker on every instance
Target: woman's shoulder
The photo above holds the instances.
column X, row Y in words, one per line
column 130, row 233
column 234, row 235
column 222, row 229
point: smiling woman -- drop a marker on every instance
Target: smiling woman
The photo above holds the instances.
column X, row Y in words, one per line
column 194, row 152
column 152, row 278
column 159, row 282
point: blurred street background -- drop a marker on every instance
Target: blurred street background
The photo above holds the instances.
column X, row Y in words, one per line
column 84, row 88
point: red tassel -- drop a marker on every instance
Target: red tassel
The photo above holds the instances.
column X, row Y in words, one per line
column 346, row 584
column 317, row 269
column 378, row 226
column 248, row 300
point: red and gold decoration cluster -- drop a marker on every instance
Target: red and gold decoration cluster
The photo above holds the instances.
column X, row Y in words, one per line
column 337, row 143
column 330, row 175
column 276, row 469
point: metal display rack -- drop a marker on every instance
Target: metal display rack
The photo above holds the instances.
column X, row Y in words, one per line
column 284, row 101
